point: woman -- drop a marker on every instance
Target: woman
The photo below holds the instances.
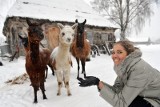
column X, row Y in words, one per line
column 137, row 83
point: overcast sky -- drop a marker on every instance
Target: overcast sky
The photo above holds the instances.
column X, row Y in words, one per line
column 152, row 29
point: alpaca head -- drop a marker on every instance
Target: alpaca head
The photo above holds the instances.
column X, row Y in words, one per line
column 24, row 40
column 66, row 33
column 80, row 34
column 80, row 27
column 35, row 32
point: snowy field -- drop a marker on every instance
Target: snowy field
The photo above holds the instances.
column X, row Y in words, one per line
column 21, row 95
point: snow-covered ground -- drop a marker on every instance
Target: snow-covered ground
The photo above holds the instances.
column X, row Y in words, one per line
column 21, row 95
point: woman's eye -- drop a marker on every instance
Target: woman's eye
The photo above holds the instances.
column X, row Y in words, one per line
column 119, row 52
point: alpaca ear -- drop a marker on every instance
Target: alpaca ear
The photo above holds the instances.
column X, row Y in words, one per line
column 84, row 21
column 41, row 24
column 29, row 22
column 60, row 25
column 20, row 37
column 75, row 26
column 76, row 21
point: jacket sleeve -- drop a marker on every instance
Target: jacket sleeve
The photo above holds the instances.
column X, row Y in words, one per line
column 135, row 84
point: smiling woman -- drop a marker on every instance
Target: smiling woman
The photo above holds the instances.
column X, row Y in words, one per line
column 133, row 76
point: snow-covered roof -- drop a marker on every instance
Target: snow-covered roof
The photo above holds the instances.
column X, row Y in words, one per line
column 58, row 10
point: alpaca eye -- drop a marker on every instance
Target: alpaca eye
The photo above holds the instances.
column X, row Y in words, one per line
column 63, row 34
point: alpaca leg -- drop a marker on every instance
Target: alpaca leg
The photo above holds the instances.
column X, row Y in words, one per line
column 42, row 87
column 78, row 67
column 59, row 80
column 59, row 88
column 68, row 88
column 83, row 67
column 35, row 88
column 66, row 82
column 35, row 94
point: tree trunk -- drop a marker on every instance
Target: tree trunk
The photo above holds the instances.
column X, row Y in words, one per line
column 122, row 35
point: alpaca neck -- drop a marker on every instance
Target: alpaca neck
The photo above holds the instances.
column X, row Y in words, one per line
column 34, row 52
column 63, row 48
column 80, row 40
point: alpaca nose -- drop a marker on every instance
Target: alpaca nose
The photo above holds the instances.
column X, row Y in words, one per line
column 69, row 39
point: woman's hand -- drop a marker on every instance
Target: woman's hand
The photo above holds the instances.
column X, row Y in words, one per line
column 88, row 81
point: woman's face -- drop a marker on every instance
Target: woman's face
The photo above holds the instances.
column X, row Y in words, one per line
column 118, row 54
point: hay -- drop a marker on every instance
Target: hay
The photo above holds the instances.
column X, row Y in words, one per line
column 19, row 80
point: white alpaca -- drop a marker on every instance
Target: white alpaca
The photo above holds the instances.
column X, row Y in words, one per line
column 61, row 56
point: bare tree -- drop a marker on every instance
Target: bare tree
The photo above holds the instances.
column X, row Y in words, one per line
column 127, row 14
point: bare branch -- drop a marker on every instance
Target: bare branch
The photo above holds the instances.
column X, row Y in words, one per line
column 124, row 13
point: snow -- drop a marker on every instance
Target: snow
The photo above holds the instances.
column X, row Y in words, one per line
column 59, row 10
column 150, row 30
column 21, row 95
column 5, row 5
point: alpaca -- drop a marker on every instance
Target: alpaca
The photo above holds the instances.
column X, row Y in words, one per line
column 61, row 56
column 36, row 59
column 24, row 41
column 52, row 36
column 80, row 48
column 26, row 48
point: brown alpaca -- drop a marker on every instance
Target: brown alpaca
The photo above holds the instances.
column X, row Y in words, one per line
column 52, row 36
column 80, row 47
column 26, row 48
column 36, row 59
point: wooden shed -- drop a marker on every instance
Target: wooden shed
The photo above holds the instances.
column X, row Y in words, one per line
column 52, row 12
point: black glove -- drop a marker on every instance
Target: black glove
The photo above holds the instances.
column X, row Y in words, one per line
column 89, row 81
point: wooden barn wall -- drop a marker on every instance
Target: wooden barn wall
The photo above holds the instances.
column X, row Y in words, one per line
column 18, row 23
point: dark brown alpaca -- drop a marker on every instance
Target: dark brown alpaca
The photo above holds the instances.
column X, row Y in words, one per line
column 26, row 48
column 36, row 59
column 80, row 47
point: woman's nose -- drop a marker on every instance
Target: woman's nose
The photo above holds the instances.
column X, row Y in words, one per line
column 114, row 55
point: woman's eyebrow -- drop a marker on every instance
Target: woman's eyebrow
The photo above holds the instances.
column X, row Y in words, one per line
column 119, row 50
